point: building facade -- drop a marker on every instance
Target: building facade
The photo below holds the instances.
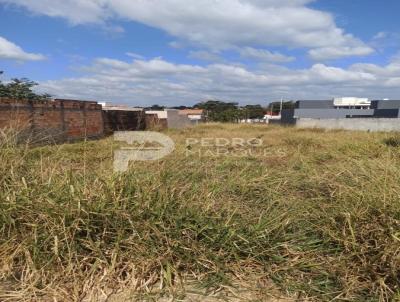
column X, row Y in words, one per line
column 341, row 108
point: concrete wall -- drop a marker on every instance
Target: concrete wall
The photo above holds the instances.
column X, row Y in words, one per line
column 363, row 124
column 177, row 121
column 161, row 114
column 57, row 120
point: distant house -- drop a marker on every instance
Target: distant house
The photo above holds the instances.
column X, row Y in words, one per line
column 194, row 115
column 272, row 117
column 167, row 118
column 268, row 117
column 161, row 114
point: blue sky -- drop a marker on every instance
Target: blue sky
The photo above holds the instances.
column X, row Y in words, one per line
column 175, row 52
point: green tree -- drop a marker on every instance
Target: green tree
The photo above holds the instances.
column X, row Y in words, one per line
column 252, row 112
column 156, row 107
column 218, row 111
column 21, row 89
column 181, row 107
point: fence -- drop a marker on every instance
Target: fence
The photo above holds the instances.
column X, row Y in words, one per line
column 58, row 120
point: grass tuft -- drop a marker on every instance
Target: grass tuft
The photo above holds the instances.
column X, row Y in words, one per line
column 393, row 141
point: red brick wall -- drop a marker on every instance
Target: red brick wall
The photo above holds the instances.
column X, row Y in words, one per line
column 94, row 122
column 56, row 120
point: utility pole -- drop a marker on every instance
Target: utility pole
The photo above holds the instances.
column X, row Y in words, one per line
column 280, row 110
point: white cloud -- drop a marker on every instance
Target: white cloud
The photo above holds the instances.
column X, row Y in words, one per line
column 75, row 11
column 11, row 51
column 264, row 55
column 322, row 73
column 331, row 53
column 275, row 3
column 145, row 82
column 218, row 24
column 393, row 82
column 389, row 75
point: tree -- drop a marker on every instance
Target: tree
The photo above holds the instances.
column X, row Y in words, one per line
column 218, row 111
column 21, row 89
column 181, row 107
column 156, row 108
column 253, row 112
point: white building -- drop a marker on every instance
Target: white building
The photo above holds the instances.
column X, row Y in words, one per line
column 352, row 103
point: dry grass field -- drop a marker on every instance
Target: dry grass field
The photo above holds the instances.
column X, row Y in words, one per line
column 309, row 215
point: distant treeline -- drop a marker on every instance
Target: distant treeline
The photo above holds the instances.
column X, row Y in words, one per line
column 220, row 111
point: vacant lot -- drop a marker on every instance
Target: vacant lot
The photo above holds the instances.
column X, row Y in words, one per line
column 309, row 214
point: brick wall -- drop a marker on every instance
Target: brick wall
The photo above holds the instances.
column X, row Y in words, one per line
column 58, row 120
column 123, row 120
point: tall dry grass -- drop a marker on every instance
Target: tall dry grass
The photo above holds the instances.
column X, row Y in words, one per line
column 316, row 213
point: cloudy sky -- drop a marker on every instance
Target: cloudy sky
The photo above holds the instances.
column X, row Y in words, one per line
column 175, row 52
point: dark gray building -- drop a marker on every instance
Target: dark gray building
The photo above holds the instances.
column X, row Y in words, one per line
column 315, row 104
column 341, row 108
column 385, row 104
